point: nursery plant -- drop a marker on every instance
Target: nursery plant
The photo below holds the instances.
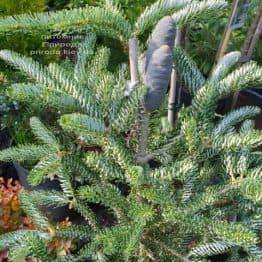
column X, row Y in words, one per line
column 25, row 44
column 172, row 194
column 204, row 38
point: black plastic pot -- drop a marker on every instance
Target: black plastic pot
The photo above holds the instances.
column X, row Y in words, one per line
column 54, row 214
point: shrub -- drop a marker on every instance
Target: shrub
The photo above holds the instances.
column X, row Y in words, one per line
column 181, row 194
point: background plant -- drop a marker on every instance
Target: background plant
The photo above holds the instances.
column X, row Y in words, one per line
column 25, row 44
column 204, row 38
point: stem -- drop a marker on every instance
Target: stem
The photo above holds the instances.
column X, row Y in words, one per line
column 173, row 91
column 148, row 252
column 143, row 123
column 171, row 251
column 143, row 126
column 133, row 59
column 184, row 37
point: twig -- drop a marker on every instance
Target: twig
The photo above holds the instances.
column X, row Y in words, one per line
column 133, row 60
column 148, row 252
column 143, row 116
column 171, row 251
column 143, row 126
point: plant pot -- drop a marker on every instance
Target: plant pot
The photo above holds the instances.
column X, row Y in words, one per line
column 54, row 214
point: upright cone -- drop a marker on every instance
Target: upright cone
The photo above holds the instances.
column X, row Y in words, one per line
column 157, row 77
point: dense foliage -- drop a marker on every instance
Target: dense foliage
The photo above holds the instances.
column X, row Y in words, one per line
column 182, row 194
column 24, row 43
column 204, row 38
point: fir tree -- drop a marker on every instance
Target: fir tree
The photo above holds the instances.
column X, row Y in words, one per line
column 202, row 195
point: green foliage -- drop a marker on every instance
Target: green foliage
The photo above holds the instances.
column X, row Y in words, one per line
column 74, row 232
column 194, row 11
column 210, row 249
column 153, row 202
column 154, row 12
column 188, row 71
column 48, row 165
column 10, row 7
column 25, row 152
column 38, row 218
column 207, row 97
column 105, row 21
column 204, row 38
column 109, row 20
column 183, row 199
column 224, row 65
column 235, row 117
column 81, row 123
column 26, row 44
